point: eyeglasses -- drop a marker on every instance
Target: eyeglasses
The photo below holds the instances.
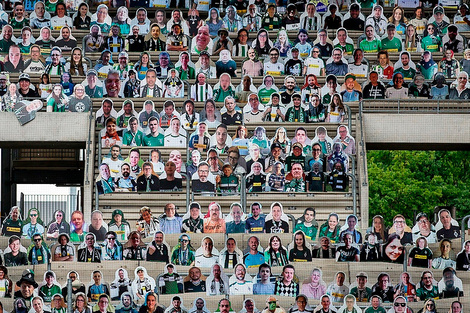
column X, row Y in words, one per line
column 397, row 304
column 111, row 238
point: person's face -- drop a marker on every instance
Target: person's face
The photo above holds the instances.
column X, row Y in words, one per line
column 332, row 222
column 449, row 280
column 237, row 214
column 410, row 31
column 303, row 37
column 427, row 280
column 155, row 32
column 159, row 17
column 135, row 240
column 39, row 10
column 175, row 126
column 208, row 245
column 19, row 10
column 262, row 38
column 399, row 305
column 113, row 85
column 65, row 33
column 175, row 157
column 253, row 243
column 14, row 55
column 158, row 238
column 348, row 240
column 57, row 90
column 398, row 81
column 462, row 80
column 456, row 308
column 397, row 15
column 141, row 16
column 405, row 278
column 427, row 57
column 97, row 220
column 361, row 281
column 240, row 272
column 63, row 240
column 24, row 85
column 375, row 302
column 394, row 250
column 249, row 306
column 297, row 171
column 37, row 305
column 111, row 128
column 103, row 304
column 341, row 36
column 170, row 169
column 299, row 240
column 169, row 110
column 26, row 289
column 352, row 222
column 337, row 56
column 147, row 171
column 350, row 83
column 224, row 306
column 90, row 241
column 349, row 303
column 290, row 83
column 383, row 282
column 325, row 303
column 134, row 158
column 151, row 302
column 126, row 301
column 177, row 303
column 7, row 33
column 214, row 212
column 15, row 246
column 37, row 241
column 77, row 220
column 301, row 303
column 221, row 136
column 275, row 243
column 184, row 59
column 256, row 169
column 26, row 35
column 340, row 279
column 195, row 274
column 213, row 159
column 424, row 224
column 196, row 157
column 438, row 17
column 265, row 272
column 296, row 101
column 176, row 16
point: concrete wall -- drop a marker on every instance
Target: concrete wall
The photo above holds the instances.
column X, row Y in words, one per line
column 44, row 130
column 417, row 131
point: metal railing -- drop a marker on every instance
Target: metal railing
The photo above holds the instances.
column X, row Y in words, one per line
column 399, row 106
column 362, row 145
column 49, row 204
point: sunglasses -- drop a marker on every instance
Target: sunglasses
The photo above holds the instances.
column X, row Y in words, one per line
column 37, row 240
column 399, row 304
column 32, row 215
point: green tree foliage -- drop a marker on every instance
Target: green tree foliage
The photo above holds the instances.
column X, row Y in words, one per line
column 409, row 182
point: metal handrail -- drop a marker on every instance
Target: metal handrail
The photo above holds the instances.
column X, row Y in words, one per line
column 349, row 114
column 362, row 144
column 88, row 149
column 188, row 196
column 354, row 195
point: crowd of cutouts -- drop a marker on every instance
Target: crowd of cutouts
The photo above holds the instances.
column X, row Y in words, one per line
column 98, row 241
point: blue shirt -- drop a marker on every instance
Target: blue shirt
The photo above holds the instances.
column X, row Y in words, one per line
column 254, row 226
column 256, row 260
column 263, row 289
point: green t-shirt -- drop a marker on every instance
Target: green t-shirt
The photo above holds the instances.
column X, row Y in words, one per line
column 138, row 138
column 349, row 48
column 431, row 44
column 56, row 106
column 372, row 310
column 151, row 141
column 393, row 45
column 48, row 292
column 373, row 46
column 310, row 232
column 265, row 95
column 407, row 74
